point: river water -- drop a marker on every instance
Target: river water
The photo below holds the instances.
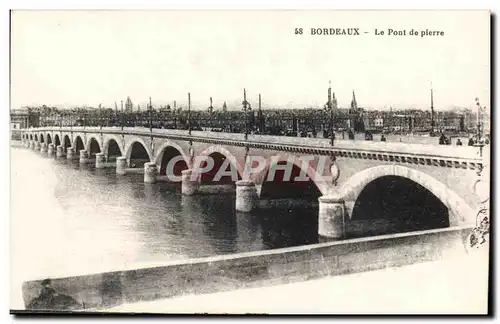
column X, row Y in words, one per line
column 69, row 219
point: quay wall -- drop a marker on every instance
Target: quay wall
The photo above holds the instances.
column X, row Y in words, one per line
column 255, row 269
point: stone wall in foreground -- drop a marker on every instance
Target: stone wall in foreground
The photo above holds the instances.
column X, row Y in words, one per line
column 254, row 269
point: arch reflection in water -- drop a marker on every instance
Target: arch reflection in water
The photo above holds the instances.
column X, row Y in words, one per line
column 212, row 217
column 285, row 227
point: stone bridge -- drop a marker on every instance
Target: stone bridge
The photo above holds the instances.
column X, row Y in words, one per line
column 363, row 175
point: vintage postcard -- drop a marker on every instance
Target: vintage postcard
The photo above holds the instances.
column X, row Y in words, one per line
column 250, row 161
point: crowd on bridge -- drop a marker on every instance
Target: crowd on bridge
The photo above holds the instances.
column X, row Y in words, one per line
column 473, row 140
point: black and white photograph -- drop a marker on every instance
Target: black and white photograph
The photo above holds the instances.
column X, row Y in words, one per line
column 250, row 161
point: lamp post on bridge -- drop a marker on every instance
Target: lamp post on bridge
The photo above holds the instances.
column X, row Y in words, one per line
column 150, row 108
column 101, row 118
column 151, row 127
column 174, row 114
column 331, row 105
column 479, row 142
column 121, row 116
column 210, row 111
column 84, row 117
column 71, row 124
column 245, row 110
column 189, row 113
column 332, row 133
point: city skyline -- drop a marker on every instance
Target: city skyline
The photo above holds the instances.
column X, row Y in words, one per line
column 80, row 58
column 235, row 105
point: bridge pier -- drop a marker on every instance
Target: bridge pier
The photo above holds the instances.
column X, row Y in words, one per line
column 246, row 196
column 37, row 146
column 59, row 151
column 100, row 159
column 190, row 182
column 27, row 144
column 150, row 172
column 331, row 222
column 84, row 157
column 50, row 149
column 70, row 153
column 43, row 148
column 121, row 165
column 32, row 145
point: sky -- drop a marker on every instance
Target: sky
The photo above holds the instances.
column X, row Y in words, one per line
column 76, row 58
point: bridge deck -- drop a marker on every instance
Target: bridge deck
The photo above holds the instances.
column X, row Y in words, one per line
column 237, row 139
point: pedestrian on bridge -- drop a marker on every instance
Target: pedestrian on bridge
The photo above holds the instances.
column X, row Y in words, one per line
column 351, row 134
column 442, row 139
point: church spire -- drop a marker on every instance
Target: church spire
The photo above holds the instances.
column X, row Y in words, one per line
column 354, row 104
column 211, row 107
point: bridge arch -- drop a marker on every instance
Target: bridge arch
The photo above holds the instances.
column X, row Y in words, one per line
column 36, row 138
column 165, row 154
column 310, row 188
column 49, row 139
column 66, row 142
column 78, row 144
column 219, row 154
column 458, row 209
column 57, row 141
column 93, row 146
column 137, row 153
column 42, row 140
column 112, row 148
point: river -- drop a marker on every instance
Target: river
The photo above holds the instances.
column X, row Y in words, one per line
column 68, row 219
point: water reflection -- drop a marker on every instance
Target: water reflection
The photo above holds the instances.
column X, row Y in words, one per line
column 289, row 227
column 131, row 221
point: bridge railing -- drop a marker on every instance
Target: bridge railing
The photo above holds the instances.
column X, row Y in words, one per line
column 413, row 149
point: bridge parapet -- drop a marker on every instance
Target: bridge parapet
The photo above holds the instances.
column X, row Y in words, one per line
column 305, row 145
